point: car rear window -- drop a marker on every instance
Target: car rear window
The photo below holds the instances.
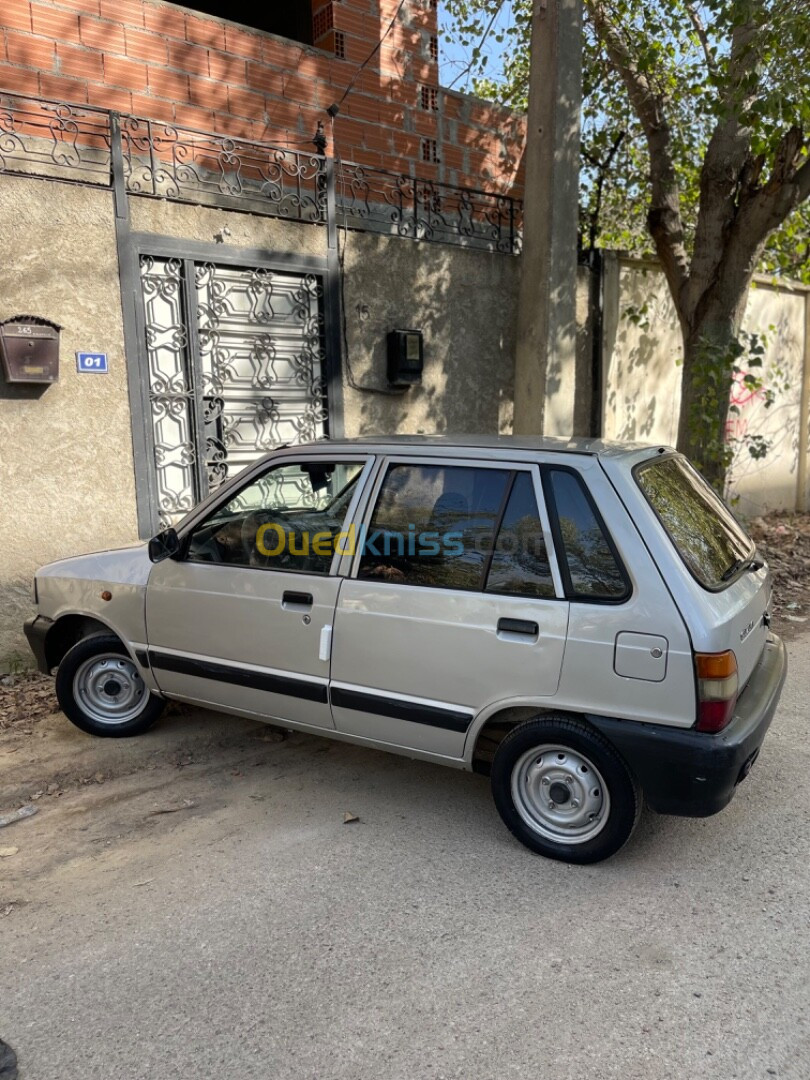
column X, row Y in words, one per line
column 705, row 533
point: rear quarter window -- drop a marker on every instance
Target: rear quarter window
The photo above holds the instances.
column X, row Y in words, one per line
column 705, row 533
column 589, row 561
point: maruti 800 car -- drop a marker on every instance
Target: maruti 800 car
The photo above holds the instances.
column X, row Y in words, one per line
column 587, row 623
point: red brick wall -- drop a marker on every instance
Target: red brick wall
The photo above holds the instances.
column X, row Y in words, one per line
column 165, row 63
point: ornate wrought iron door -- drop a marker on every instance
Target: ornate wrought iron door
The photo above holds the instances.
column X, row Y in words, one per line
column 235, row 366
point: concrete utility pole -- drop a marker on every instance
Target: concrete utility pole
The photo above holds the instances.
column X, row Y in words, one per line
column 545, row 357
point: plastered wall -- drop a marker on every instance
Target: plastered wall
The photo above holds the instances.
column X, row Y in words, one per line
column 465, row 304
column 642, row 379
column 66, row 472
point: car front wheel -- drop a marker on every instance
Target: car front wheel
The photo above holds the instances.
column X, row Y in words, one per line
column 101, row 690
column 563, row 790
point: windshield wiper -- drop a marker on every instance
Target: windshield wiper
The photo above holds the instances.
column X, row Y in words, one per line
column 752, row 564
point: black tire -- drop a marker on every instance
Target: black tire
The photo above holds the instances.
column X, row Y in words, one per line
column 79, row 709
column 573, row 750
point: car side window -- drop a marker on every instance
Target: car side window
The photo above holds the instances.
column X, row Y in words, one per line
column 434, row 525
column 287, row 519
column 520, row 565
column 588, row 560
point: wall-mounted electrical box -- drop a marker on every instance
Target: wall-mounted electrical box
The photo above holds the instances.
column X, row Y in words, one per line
column 405, row 357
column 29, row 349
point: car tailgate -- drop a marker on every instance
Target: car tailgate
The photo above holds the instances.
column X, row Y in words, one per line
column 743, row 625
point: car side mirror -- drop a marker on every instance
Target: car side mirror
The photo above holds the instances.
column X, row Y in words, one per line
column 166, row 545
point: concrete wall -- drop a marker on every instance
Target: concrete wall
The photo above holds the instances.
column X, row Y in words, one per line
column 207, row 225
column 642, row 379
column 66, row 470
column 464, row 302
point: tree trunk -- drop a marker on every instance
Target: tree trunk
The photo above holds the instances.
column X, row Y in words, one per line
column 710, row 350
column 711, row 326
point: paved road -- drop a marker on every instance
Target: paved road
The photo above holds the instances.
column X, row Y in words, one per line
column 256, row 935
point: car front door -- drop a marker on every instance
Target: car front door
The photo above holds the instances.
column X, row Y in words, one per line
column 454, row 602
column 242, row 620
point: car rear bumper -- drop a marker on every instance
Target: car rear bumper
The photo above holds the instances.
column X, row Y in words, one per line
column 693, row 774
column 36, row 630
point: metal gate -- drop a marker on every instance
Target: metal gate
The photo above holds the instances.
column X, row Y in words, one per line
column 236, row 367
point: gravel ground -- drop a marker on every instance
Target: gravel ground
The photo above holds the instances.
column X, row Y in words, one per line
column 191, row 904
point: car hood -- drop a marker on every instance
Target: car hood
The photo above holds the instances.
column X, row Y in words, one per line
column 127, row 566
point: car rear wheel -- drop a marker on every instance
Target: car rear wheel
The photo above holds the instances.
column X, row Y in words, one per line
column 563, row 790
column 101, row 691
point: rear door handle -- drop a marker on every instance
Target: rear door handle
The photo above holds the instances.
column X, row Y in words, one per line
column 518, row 626
column 297, row 599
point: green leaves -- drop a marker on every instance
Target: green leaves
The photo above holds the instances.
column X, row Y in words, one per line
column 707, row 60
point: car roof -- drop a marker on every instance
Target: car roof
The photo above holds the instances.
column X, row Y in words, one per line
column 505, row 443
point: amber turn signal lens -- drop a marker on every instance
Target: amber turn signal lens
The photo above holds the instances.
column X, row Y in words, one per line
column 716, row 665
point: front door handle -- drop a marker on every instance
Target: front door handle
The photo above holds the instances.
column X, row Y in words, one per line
column 518, row 626
column 297, row 599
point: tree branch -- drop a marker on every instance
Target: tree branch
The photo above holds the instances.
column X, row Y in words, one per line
column 702, row 36
column 472, row 61
column 759, row 215
column 664, row 216
column 802, row 182
column 728, row 171
column 602, row 167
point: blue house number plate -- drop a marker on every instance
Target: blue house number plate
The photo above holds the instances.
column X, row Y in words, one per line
column 93, row 362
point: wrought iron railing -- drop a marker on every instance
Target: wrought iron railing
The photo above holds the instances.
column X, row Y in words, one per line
column 184, row 165
column 427, row 209
column 55, row 140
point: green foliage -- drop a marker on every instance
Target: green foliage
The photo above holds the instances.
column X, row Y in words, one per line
column 683, row 48
column 744, row 357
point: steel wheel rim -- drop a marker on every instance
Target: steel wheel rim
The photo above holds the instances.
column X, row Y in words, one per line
column 539, row 779
column 109, row 689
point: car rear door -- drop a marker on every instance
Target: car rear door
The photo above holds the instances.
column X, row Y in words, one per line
column 453, row 602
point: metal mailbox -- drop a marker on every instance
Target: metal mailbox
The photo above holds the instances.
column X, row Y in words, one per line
column 29, row 349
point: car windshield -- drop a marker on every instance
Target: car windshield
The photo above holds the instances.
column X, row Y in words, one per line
column 705, row 533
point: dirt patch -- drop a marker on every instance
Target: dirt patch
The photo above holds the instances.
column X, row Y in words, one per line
column 123, row 801
column 26, row 698
column 783, row 539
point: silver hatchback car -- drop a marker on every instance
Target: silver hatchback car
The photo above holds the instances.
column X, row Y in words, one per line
column 584, row 622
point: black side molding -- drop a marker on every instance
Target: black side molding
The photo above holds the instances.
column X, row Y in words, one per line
column 256, row 680
column 413, row 711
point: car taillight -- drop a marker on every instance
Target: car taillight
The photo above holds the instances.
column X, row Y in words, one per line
column 717, row 689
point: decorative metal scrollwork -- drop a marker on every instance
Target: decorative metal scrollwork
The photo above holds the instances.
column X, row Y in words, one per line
column 167, row 161
column 200, row 167
column 427, row 209
column 52, row 139
column 255, row 382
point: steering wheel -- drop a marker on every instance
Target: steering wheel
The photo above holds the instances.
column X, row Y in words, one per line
column 252, row 523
